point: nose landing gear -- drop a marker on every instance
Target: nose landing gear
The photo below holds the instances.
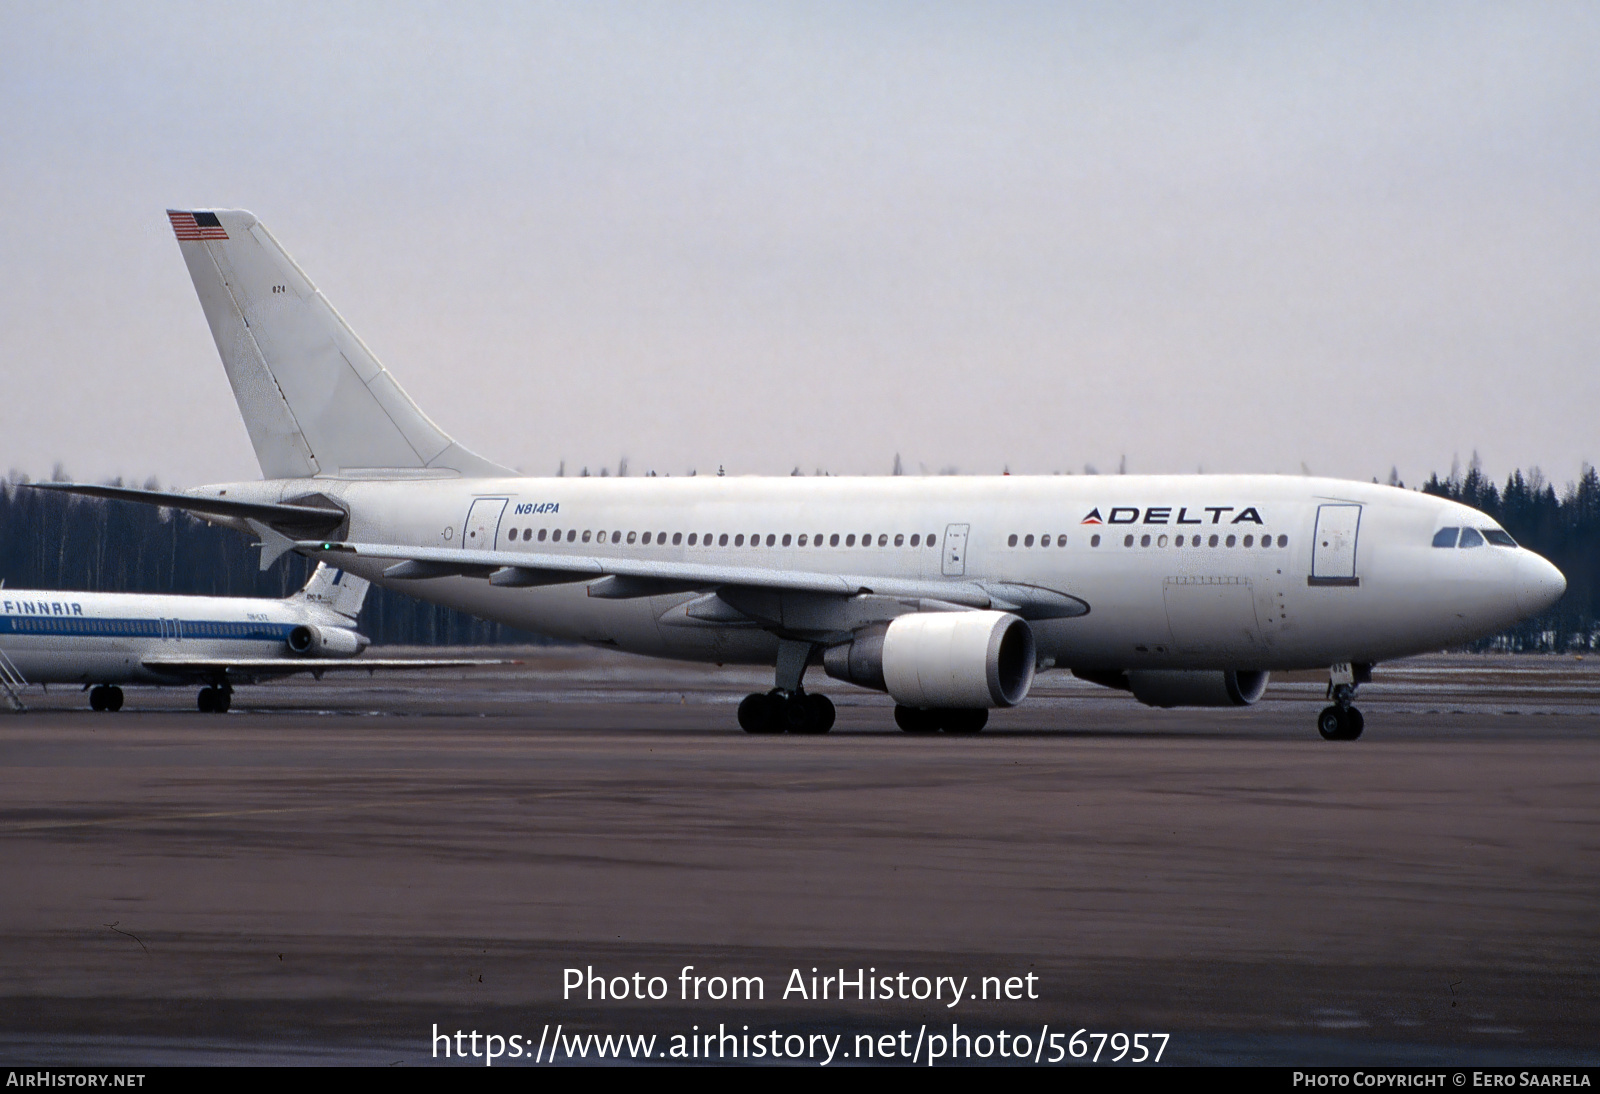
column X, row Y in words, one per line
column 1342, row 721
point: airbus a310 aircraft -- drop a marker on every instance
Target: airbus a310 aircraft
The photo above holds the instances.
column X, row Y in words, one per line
column 102, row 640
column 948, row 593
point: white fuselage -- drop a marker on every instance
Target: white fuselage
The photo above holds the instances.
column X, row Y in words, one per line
column 1204, row 571
column 52, row 637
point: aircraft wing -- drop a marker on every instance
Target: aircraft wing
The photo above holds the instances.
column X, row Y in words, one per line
column 626, row 578
column 206, row 667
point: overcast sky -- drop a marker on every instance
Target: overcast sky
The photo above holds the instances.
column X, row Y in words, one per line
column 1225, row 237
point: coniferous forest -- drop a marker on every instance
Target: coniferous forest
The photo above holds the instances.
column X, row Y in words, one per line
column 57, row 541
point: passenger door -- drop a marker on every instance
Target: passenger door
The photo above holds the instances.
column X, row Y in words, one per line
column 482, row 529
column 1333, row 548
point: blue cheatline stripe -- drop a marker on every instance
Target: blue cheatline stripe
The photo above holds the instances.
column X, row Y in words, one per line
column 60, row 626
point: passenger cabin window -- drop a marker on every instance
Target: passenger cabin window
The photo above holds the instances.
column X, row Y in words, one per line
column 1446, row 537
column 1470, row 537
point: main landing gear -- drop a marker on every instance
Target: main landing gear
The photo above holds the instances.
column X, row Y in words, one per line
column 951, row 720
column 787, row 708
column 215, row 700
column 777, row 711
column 105, row 697
column 1342, row 721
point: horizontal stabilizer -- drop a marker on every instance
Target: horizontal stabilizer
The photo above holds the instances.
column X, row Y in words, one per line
column 298, row 520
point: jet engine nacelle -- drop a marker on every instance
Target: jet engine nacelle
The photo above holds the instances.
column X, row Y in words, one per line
column 942, row 660
column 1197, row 687
column 310, row 640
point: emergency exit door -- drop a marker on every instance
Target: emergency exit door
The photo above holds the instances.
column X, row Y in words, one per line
column 955, row 550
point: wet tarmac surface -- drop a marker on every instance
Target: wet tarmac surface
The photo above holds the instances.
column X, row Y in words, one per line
column 334, row 868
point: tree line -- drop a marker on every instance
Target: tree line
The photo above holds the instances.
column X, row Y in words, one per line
column 1564, row 528
column 59, row 541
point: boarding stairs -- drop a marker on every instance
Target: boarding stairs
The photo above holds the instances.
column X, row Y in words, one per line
column 11, row 682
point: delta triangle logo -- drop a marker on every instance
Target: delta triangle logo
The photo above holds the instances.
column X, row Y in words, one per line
column 1092, row 518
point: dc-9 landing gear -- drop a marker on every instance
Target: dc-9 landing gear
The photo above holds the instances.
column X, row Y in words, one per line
column 105, row 697
column 787, row 708
column 215, row 700
column 1342, row 721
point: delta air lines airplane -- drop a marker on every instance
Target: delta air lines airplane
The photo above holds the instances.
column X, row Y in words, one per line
column 947, row 593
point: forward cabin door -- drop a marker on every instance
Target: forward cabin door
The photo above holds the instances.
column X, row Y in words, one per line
column 1333, row 549
column 482, row 529
column 955, row 550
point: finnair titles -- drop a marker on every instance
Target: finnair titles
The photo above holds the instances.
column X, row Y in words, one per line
column 948, row 593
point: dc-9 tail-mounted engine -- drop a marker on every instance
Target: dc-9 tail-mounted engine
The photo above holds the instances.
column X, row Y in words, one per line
column 310, row 640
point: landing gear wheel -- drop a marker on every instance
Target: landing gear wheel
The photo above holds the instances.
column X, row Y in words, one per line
column 793, row 716
column 113, row 698
column 214, row 700
column 963, row 720
column 915, row 720
column 820, row 707
column 756, row 714
column 1330, row 723
column 1353, row 724
column 1340, row 725
column 97, row 698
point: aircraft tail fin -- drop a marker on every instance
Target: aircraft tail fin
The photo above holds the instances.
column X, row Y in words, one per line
column 335, row 590
column 314, row 398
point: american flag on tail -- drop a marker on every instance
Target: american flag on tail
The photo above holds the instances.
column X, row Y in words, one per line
column 196, row 226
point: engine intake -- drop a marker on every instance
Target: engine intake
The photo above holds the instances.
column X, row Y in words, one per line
column 310, row 640
column 942, row 660
column 1197, row 687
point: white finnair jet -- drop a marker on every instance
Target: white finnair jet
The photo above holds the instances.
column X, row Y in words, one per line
column 948, row 593
column 101, row 640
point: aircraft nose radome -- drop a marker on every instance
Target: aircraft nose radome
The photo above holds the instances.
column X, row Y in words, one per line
column 1539, row 584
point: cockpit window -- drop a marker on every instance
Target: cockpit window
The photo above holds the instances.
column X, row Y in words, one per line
column 1499, row 538
column 1470, row 537
column 1446, row 537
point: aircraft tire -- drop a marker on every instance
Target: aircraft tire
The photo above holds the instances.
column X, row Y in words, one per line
column 1331, row 724
column 963, row 720
column 207, row 700
column 224, row 700
column 820, row 708
column 97, row 697
column 113, row 698
column 793, row 715
column 916, row 720
column 756, row 714
column 1354, row 723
